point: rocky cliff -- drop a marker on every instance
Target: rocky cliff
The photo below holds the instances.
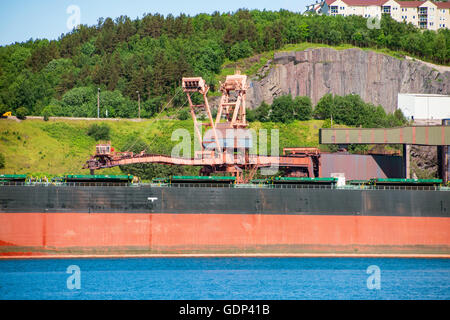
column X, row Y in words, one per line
column 376, row 77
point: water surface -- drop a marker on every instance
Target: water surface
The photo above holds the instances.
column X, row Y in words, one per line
column 225, row 278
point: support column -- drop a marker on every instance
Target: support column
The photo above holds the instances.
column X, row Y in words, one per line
column 407, row 160
column 444, row 163
column 445, row 156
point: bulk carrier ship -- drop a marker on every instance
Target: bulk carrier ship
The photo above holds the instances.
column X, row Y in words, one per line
column 301, row 213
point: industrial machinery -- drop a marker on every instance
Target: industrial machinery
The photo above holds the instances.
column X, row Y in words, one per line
column 225, row 147
column 6, row 115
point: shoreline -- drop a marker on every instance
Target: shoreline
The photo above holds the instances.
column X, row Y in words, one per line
column 244, row 255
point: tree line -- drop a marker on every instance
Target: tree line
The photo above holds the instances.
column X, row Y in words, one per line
column 348, row 110
column 147, row 57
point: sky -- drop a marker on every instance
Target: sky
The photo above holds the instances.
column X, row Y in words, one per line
column 21, row 20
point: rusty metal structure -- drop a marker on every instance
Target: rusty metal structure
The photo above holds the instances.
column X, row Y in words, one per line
column 436, row 135
column 417, row 135
column 229, row 142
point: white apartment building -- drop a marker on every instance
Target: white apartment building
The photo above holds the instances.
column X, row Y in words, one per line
column 423, row 14
column 367, row 8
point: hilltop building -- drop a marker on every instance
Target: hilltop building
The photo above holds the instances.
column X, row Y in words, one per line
column 423, row 14
column 320, row 7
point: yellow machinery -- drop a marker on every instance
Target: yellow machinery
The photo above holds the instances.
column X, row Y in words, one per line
column 7, row 114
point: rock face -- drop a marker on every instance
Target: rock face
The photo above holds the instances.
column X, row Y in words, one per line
column 376, row 77
column 424, row 162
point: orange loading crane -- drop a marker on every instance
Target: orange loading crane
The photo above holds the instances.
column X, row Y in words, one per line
column 225, row 147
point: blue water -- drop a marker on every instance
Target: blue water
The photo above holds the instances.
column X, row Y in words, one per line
column 225, row 278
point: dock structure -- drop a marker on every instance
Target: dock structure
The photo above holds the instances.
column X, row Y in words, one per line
column 438, row 136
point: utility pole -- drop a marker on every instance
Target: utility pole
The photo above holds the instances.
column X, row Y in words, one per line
column 139, row 103
column 98, row 103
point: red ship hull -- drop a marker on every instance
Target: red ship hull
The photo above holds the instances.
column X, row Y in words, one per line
column 79, row 233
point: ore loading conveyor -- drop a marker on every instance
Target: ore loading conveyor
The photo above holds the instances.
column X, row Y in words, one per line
column 225, row 147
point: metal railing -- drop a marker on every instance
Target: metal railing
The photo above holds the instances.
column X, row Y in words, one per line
column 200, row 185
column 369, row 187
column 64, row 184
column 219, row 185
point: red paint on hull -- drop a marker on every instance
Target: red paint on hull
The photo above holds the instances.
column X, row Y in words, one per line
column 239, row 232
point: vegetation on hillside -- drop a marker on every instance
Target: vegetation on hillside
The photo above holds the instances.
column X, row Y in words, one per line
column 2, row 161
column 99, row 132
column 58, row 147
column 351, row 110
column 147, row 57
column 348, row 110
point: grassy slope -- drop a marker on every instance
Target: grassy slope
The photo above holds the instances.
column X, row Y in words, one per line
column 60, row 147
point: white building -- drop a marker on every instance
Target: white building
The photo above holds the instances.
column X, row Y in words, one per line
column 424, row 106
column 423, row 14
column 319, row 7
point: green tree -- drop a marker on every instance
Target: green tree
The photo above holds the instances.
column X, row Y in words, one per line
column 46, row 114
column 325, row 107
column 358, row 38
column 184, row 114
column 334, row 37
column 303, row 31
column 303, row 108
column 81, row 102
column 54, row 110
column 283, row 109
column 250, row 115
column 2, row 161
column 240, row 50
column 351, row 110
column 209, row 58
column 262, row 113
column 22, row 113
column 3, row 109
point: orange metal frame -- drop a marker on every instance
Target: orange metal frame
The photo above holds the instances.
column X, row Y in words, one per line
column 221, row 159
